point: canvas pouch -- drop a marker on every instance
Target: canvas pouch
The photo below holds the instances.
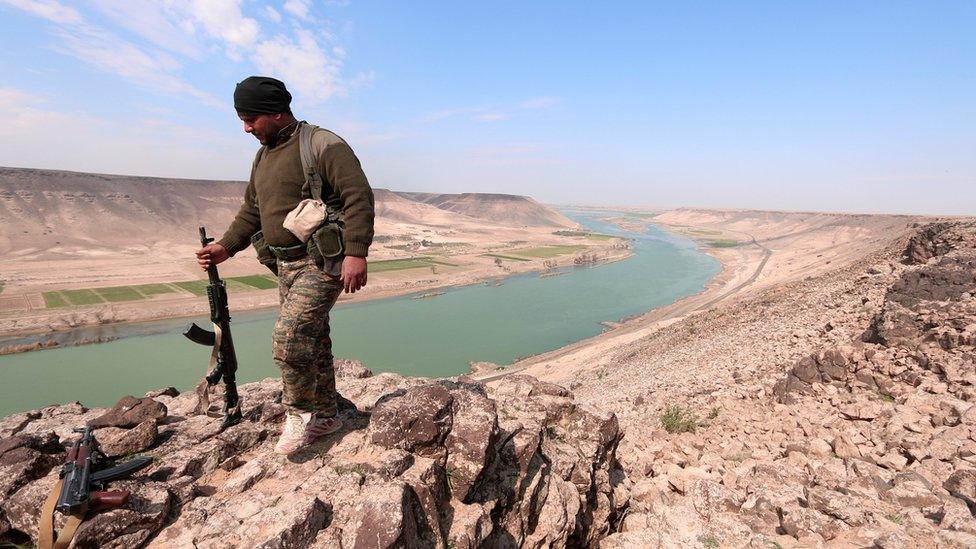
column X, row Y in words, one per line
column 305, row 219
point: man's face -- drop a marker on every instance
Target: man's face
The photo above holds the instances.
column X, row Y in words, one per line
column 262, row 126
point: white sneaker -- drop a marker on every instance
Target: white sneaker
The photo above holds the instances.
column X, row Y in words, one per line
column 294, row 433
column 322, row 426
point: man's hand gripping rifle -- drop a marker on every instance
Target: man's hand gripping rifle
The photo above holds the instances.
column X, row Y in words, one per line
column 223, row 359
column 81, row 488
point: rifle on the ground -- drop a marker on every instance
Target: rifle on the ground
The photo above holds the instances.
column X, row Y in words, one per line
column 223, row 359
column 81, row 488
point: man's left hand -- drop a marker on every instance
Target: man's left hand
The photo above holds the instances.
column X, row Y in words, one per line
column 353, row 273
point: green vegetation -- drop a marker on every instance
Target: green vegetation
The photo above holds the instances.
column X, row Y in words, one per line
column 53, row 300
column 119, row 293
column 591, row 236
column 439, row 262
column 1, row 286
column 897, row 519
column 150, row 290
column 196, row 287
column 569, row 233
column 399, row 264
column 199, row 287
column 547, row 252
column 508, row 257
column 714, row 412
column 708, row 541
column 708, row 232
column 676, row 419
column 724, row 243
column 82, row 297
column 260, row 282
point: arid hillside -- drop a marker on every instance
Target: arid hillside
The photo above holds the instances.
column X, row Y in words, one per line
column 506, row 209
column 59, row 213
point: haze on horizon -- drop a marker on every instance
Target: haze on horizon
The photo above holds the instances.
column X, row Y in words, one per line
column 836, row 106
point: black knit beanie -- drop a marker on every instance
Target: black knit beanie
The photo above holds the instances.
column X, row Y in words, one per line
column 261, row 95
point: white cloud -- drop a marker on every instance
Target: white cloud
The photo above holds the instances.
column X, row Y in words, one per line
column 302, row 64
column 491, row 117
column 109, row 53
column 141, row 147
column 298, row 8
column 23, row 112
column 272, row 14
column 224, row 20
column 52, row 10
column 162, row 23
column 539, row 103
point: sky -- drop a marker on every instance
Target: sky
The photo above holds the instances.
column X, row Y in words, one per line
column 853, row 106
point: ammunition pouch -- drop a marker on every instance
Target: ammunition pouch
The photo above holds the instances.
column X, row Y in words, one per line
column 327, row 240
column 264, row 252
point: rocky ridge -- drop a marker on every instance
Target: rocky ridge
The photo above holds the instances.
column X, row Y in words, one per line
column 417, row 464
column 867, row 440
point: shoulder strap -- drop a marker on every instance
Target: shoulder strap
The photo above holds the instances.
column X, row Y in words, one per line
column 314, row 183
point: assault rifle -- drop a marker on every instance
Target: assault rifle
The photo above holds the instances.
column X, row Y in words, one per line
column 223, row 359
column 81, row 488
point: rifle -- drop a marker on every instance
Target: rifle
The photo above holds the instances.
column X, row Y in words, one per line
column 81, row 488
column 223, row 359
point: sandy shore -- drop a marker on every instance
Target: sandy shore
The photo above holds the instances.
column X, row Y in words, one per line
column 770, row 249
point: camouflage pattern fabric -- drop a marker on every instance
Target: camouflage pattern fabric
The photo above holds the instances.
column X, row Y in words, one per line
column 301, row 345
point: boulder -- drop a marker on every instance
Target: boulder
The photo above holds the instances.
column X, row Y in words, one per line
column 130, row 412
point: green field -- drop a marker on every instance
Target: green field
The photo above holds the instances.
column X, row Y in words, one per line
column 398, row 264
column 508, row 257
column 82, row 297
column 724, row 243
column 546, row 252
column 119, row 293
column 53, row 300
column 150, row 290
column 591, row 236
column 199, row 287
column 260, row 282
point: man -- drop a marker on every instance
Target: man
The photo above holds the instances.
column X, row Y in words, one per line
column 308, row 284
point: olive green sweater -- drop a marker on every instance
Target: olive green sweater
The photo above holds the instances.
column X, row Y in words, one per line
column 275, row 188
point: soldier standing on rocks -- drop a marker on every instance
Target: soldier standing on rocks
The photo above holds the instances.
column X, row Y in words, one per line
column 308, row 283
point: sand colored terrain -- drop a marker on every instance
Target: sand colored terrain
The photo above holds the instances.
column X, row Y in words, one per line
column 68, row 231
column 772, row 248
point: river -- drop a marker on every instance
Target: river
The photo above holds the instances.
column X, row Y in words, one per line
column 435, row 337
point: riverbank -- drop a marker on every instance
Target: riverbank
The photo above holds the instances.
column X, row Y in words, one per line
column 51, row 328
column 831, row 409
column 771, row 249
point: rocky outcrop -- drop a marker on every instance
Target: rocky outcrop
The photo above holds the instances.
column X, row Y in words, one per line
column 417, row 464
column 866, row 441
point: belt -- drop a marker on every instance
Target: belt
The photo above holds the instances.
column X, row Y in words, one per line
column 289, row 253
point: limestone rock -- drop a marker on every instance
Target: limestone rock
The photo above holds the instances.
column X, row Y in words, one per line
column 129, row 412
column 120, row 442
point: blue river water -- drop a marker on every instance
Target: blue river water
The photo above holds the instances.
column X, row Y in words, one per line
column 435, row 337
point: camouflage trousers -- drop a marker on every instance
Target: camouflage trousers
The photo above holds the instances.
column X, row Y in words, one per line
column 301, row 345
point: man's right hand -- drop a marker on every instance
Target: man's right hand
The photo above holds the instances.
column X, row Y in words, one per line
column 211, row 253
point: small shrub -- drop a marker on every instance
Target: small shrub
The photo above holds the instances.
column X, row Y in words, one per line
column 676, row 419
column 708, row 541
column 713, row 413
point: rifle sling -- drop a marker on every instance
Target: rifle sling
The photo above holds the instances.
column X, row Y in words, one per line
column 203, row 389
column 45, row 534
